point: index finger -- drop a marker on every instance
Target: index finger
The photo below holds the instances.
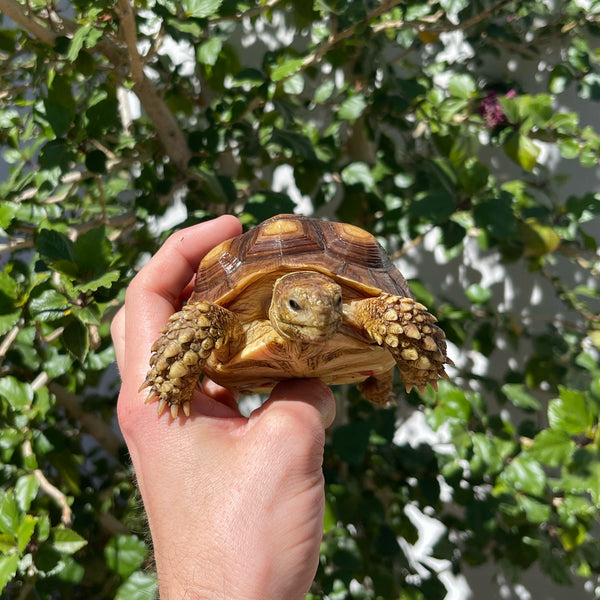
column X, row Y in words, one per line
column 154, row 293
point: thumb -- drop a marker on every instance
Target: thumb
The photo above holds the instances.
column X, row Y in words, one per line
column 312, row 392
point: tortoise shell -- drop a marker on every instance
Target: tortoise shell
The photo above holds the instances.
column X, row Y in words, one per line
column 287, row 243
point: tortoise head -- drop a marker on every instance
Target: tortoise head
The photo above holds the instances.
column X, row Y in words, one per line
column 306, row 306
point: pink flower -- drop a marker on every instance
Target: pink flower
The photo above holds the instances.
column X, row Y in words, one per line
column 491, row 111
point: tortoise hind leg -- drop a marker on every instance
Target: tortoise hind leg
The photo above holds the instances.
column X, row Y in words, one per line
column 379, row 390
column 179, row 355
column 408, row 331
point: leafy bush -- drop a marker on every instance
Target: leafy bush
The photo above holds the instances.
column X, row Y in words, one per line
column 432, row 124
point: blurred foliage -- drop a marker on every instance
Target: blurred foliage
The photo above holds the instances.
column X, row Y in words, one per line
column 403, row 116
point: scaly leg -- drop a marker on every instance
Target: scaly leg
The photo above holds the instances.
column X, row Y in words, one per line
column 409, row 332
column 179, row 355
column 379, row 390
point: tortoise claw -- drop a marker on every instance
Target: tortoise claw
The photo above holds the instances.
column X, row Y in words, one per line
column 162, row 404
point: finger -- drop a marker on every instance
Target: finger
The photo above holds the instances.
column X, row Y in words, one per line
column 117, row 332
column 220, row 394
column 312, row 392
column 153, row 294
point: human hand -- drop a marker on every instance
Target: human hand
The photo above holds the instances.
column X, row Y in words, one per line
column 235, row 505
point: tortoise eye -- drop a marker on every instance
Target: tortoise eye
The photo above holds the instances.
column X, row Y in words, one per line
column 294, row 305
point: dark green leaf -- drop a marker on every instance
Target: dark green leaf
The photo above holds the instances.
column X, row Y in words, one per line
column 95, row 161
column 76, row 339
column 497, row 216
column 50, row 305
column 436, row 207
column 125, row 554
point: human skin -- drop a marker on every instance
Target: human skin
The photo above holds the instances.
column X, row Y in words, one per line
column 235, row 505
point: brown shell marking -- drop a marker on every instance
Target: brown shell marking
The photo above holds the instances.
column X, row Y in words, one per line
column 291, row 243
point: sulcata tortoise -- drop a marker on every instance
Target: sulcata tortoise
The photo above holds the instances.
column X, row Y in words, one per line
column 297, row 297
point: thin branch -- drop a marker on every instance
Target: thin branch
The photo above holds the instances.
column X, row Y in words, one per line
column 167, row 128
column 9, row 339
column 426, row 22
column 334, row 39
column 52, row 491
column 93, row 424
column 125, row 12
column 27, row 20
column 249, row 14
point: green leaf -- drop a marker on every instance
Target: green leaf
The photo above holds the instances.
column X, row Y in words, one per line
column 56, row 153
column 125, row 554
column 95, row 161
column 102, row 281
column 350, row 441
column 560, row 78
column 452, row 405
column 25, row 531
column 552, row 447
column 299, row 144
column 352, row 107
column 286, row 69
column 436, row 207
column 92, row 252
column 526, row 475
column 453, row 7
column 462, row 86
column 50, row 305
column 26, row 490
column 535, row 511
column 570, row 413
column 139, row 586
column 496, row 215
column 8, row 568
column 538, row 239
column 10, row 516
column 67, row 541
column 57, row 250
column 294, row 85
column 359, row 173
column 76, row 339
column 478, row 294
column 519, row 397
column 522, row 150
column 208, row 52
column 324, row 91
column 201, row 9
column 18, row 393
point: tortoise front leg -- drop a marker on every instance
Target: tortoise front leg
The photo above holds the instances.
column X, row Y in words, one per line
column 408, row 331
column 179, row 355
